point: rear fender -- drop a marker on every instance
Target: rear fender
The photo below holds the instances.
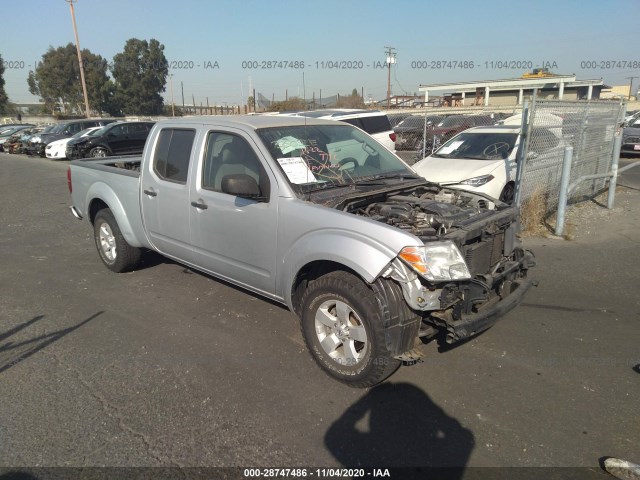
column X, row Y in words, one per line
column 102, row 191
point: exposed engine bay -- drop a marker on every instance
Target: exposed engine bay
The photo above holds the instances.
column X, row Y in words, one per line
column 425, row 212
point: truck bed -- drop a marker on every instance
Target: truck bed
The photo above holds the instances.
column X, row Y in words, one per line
column 122, row 165
column 112, row 182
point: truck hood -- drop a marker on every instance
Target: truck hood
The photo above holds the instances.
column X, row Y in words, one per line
column 454, row 170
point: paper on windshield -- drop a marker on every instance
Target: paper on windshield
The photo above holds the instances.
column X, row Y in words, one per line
column 450, row 148
column 297, row 170
column 289, row 144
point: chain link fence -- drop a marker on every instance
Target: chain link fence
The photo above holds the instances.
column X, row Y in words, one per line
column 588, row 127
column 421, row 132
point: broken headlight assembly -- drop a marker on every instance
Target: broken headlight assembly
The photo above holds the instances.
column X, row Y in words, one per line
column 437, row 261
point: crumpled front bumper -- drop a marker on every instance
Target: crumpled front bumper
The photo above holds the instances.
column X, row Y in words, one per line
column 474, row 323
column 513, row 287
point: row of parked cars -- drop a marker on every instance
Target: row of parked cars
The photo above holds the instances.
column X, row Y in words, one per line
column 76, row 139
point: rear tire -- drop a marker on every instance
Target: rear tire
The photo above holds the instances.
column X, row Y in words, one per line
column 115, row 252
column 342, row 325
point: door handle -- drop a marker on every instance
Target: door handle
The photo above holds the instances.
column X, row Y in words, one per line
column 201, row 206
column 151, row 193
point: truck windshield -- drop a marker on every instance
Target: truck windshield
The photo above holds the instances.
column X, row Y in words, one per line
column 321, row 156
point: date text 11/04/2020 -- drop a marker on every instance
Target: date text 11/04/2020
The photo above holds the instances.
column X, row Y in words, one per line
column 379, row 64
column 316, row 472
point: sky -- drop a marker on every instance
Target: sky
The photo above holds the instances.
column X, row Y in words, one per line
column 219, row 50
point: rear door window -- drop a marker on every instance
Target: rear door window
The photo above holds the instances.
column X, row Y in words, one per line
column 173, row 153
column 376, row 124
column 371, row 125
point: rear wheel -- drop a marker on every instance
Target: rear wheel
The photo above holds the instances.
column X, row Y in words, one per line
column 115, row 252
column 341, row 323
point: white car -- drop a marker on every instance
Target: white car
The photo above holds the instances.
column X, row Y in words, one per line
column 57, row 150
column 374, row 122
column 483, row 159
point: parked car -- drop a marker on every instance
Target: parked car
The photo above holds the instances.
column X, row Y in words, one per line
column 396, row 118
column 57, row 150
column 16, row 143
column 631, row 117
column 631, row 138
column 451, row 126
column 8, row 132
column 316, row 215
column 374, row 122
column 66, row 130
column 483, row 159
column 411, row 130
column 123, row 138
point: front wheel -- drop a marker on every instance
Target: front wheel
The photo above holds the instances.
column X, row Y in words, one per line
column 508, row 193
column 98, row 152
column 115, row 252
column 342, row 326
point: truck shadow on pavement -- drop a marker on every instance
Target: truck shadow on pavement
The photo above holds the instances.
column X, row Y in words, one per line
column 398, row 425
column 14, row 352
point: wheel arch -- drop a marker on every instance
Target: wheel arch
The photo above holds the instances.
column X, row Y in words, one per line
column 310, row 272
column 101, row 146
column 101, row 196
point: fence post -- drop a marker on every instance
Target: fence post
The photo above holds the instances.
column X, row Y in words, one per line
column 564, row 189
column 617, row 146
column 522, row 151
column 613, row 181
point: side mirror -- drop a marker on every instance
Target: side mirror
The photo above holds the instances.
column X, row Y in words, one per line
column 241, row 185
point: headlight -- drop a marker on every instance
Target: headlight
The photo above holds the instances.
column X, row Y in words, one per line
column 437, row 261
column 35, row 140
column 477, row 181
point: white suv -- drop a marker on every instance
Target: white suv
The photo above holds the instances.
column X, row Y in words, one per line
column 374, row 122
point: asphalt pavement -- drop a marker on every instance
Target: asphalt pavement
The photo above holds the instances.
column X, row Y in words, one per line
column 169, row 367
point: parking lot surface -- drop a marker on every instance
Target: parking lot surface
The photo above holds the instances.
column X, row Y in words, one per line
column 169, row 367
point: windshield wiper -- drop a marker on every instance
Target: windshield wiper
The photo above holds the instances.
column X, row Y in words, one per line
column 400, row 176
column 328, row 185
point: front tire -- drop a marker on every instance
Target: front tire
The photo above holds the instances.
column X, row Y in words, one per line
column 115, row 252
column 508, row 193
column 98, row 152
column 342, row 325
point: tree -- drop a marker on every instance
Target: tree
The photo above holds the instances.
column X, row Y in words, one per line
column 4, row 100
column 56, row 80
column 140, row 76
column 352, row 101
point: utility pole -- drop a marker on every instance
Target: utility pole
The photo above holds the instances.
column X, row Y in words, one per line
column 182, row 88
column 75, row 32
column 630, row 85
column 391, row 58
column 173, row 110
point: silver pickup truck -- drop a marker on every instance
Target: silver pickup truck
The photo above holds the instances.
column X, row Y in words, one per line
column 317, row 215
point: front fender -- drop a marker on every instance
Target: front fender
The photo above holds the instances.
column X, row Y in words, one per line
column 362, row 254
column 102, row 191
